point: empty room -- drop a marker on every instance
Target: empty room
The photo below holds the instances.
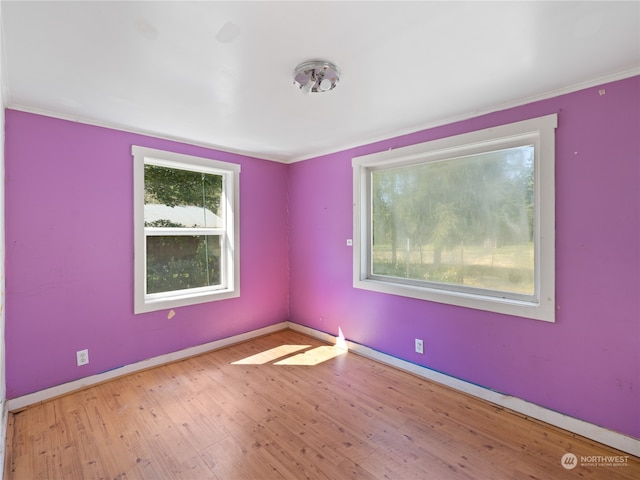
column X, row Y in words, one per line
column 320, row 240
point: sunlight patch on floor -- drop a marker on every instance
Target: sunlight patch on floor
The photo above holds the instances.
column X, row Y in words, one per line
column 294, row 354
column 271, row 355
column 312, row 357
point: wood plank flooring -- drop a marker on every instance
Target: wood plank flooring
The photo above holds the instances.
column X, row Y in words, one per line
column 286, row 406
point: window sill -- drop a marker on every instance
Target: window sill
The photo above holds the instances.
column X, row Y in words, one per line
column 152, row 305
column 518, row 308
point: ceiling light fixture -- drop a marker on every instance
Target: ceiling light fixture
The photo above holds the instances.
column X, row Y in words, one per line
column 316, row 76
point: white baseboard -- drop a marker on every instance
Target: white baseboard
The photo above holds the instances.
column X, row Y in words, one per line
column 602, row 435
column 20, row 403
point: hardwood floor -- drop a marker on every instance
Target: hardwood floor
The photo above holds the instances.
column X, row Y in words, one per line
column 286, row 406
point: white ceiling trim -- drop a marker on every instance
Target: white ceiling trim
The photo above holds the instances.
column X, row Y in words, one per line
column 505, row 106
column 137, row 131
column 396, row 133
column 174, row 69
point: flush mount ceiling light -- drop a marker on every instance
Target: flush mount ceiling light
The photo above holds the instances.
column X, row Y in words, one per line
column 316, row 76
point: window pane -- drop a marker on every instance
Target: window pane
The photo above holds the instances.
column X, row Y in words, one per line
column 182, row 262
column 466, row 221
column 181, row 198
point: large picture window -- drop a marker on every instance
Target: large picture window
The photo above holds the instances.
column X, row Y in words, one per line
column 466, row 220
column 186, row 234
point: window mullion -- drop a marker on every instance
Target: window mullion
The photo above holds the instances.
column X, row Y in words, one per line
column 173, row 231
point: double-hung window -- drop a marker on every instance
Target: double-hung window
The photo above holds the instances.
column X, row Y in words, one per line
column 186, row 230
column 465, row 220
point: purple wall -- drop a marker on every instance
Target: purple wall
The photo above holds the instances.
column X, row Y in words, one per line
column 69, row 263
column 587, row 364
column 69, row 256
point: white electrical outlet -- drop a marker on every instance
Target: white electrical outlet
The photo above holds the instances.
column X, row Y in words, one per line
column 82, row 356
column 419, row 346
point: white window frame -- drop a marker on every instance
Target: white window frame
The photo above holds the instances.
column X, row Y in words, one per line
column 230, row 232
column 537, row 131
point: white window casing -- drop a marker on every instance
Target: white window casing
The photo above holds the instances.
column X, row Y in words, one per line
column 539, row 132
column 226, row 229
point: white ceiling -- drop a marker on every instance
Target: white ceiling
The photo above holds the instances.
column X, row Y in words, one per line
column 220, row 74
